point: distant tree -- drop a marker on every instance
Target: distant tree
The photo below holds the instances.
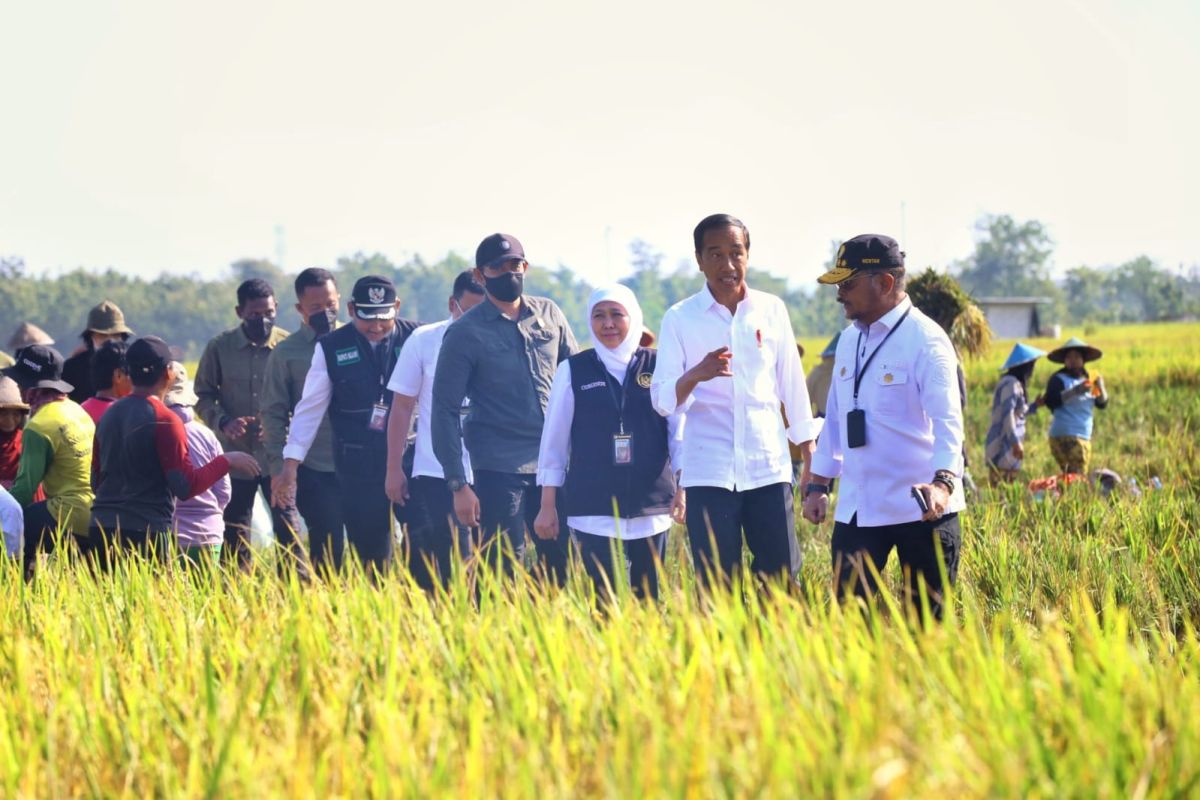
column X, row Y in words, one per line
column 1011, row 259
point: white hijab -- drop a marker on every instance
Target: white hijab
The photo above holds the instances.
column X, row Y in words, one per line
column 616, row 360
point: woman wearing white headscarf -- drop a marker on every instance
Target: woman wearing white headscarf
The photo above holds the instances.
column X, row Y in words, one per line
column 611, row 450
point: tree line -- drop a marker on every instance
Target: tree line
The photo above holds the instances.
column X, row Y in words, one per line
column 1011, row 258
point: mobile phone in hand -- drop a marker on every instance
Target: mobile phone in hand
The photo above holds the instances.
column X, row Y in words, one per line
column 922, row 503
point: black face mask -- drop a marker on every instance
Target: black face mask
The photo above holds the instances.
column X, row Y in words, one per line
column 258, row 329
column 506, row 288
column 323, row 321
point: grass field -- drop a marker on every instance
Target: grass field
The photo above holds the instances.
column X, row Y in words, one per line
column 1070, row 665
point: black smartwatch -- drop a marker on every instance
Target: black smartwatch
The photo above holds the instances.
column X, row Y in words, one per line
column 454, row 484
column 823, row 488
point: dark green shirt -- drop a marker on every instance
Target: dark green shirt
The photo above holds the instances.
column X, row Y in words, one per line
column 506, row 368
column 229, row 383
column 287, row 368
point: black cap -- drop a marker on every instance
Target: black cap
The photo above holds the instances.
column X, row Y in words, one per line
column 868, row 251
column 498, row 248
column 374, row 297
column 39, row 366
column 147, row 356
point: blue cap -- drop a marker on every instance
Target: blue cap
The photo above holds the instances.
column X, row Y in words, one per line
column 831, row 348
column 1021, row 354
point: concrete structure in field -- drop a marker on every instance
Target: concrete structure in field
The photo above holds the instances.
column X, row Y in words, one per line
column 1013, row 317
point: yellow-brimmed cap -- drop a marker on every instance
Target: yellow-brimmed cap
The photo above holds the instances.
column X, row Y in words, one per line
column 870, row 251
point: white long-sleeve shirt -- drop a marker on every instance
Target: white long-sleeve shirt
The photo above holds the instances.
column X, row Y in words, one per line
column 314, row 402
column 413, row 377
column 554, row 456
column 914, row 422
column 735, row 434
column 12, row 522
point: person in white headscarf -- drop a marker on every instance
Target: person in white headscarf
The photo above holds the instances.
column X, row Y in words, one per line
column 604, row 442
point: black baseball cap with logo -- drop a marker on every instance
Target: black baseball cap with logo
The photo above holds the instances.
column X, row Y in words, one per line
column 39, row 366
column 147, row 356
column 374, row 297
column 870, row 251
column 498, row 248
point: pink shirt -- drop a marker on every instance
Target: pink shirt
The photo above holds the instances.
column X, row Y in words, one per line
column 96, row 406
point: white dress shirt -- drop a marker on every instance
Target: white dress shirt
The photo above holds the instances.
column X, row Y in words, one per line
column 554, row 456
column 413, row 377
column 314, row 402
column 12, row 521
column 735, row 434
column 913, row 418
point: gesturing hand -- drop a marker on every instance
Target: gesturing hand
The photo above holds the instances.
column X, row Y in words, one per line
column 713, row 365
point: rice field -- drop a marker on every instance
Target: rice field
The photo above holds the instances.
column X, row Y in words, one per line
column 1069, row 665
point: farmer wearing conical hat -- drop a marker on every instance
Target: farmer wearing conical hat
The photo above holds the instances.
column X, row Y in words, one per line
column 1005, row 447
column 26, row 334
column 1071, row 395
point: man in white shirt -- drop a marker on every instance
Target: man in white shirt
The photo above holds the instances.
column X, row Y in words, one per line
column 727, row 357
column 431, row 524
column 893, row 432
column 12, row 523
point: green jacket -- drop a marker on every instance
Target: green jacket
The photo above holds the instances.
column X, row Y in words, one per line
column 287, row 368
column 229, row 384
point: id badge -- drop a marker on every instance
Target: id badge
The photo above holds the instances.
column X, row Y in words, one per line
column 378, row 418
column 622, row 449
column 856, row 428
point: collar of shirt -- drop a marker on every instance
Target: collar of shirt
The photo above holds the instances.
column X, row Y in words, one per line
column 888, row 320
column 709, row 302
column 492, row 312
column 243, row 341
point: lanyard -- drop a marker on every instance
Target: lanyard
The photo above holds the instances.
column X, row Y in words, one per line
column 616, row 390
column 858, row 376
column 383, row 369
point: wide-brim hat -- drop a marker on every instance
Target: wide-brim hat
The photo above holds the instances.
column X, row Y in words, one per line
column 1021, row 354
column 107, row 319
column 1059, row 354
column 28, row 334
column 10, row 395
column 181, row 392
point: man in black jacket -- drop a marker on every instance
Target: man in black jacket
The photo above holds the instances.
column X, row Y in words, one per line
column 348, row 379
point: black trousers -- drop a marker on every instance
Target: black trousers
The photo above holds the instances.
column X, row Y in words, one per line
column 639, row 561
column 508, row 505
column 319, row 501
column 238, row 513
column 40, row 529
column 717, row 520
column 433, row 534
column 916, row 545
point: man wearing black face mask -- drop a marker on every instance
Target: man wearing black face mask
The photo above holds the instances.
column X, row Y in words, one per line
column 318, row 496
column 502, row 354
column 229, row 385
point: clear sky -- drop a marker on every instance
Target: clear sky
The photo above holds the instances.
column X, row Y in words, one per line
column 156, row 136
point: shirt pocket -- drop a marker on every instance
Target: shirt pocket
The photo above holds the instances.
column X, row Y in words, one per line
column 891, row 390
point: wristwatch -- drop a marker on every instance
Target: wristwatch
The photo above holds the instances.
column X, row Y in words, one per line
column 823, row 488
column 454, row 484
column 946, row 478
